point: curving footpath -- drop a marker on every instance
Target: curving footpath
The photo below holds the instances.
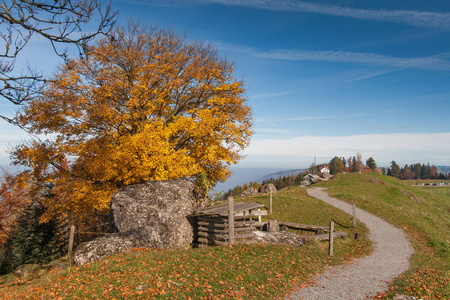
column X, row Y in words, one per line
column 366, row 276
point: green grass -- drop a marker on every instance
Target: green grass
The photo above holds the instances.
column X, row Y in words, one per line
column 244, row 271
column 422, row 212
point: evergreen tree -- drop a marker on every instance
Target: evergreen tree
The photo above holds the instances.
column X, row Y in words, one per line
column 370, row 162
column 394, row 170
column 336, row 165
column 344, row 162
column 31, row 241
column 417, row 170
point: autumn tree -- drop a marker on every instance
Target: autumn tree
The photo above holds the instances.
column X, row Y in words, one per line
column 60, row 22
column 407, row 173
column 142, row 104
column 13, row 200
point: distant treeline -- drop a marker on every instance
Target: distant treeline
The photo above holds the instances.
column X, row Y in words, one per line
column 352, row 164
column 416, row 171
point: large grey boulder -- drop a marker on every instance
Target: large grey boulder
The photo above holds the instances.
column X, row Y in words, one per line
column 155, row 213
column 152, row 214
column 267, row 189
column 249, row 192
column 310, row 178
column 99, row 248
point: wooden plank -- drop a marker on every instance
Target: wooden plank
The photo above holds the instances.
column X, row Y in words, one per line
column 222, row 209
column 210, row 235
column 273, row 225
column 224, row 231
column 331, row 238
column 245, row 236
column 212, row 224
column 214, row 230
column 247, row 218
column 224, row 237
column 326, row 236
column 72, row 234
column 213, row 219
column 270, row 205
column 256, row 213
column 231, row 220
column 212, row 241
column 240, row 242
column 259, row 224
column 304, row 226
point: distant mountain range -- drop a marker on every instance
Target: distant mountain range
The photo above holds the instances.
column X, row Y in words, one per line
column 444, row 169
column 281, row 174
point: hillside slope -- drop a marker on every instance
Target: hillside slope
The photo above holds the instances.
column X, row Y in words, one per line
column 237, row 272
column 423, row 213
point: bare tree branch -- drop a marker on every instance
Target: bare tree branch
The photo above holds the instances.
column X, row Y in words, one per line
column 61, row 22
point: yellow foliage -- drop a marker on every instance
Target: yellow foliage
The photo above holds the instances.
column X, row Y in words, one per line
column 142, row 105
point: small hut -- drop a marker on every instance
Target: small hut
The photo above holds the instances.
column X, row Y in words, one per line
column 214, row 224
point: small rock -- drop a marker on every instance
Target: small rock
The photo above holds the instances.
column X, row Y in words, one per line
column 267, row 188
column 284, row 237
column 27, row 271
column 404, row 297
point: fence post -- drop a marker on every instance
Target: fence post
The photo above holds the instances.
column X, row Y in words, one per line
column 273, row 225
column 270, row 205
column 72, row 234
column 331, row 238
column 230, row 221
column 354, row 214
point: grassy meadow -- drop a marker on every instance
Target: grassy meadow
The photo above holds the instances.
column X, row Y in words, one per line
column 422, row 212
column 237, row 272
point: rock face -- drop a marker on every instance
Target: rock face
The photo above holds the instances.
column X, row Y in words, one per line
column 249, row 192
column 152, row 214
column 267, row 188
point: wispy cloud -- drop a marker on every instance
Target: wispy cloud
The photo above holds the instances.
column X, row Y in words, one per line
column 271, row 95
column 310, row 118
column 408, row 17
column 421, row 63
column 272, row 130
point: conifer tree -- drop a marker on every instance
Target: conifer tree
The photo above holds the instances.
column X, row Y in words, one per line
column 32, row 241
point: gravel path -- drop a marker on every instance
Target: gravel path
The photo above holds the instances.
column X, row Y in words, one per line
column 366, row 276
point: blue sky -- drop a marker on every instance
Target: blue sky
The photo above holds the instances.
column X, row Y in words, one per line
column 324, row 78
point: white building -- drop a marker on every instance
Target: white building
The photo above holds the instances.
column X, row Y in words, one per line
column 325, row 170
